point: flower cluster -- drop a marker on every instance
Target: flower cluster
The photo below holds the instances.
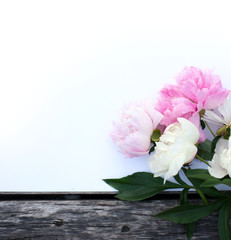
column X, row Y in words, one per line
column 170, row 131
column 177, row 112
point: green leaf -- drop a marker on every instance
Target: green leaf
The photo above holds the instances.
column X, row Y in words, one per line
column 197, row 177
column 156, row 135
column 152, row 148
column 223, row 221
column 227, row 181
column 189, row 213
column 139, row 186
column 179, row 180
column 140, row 179
column 139, row 193
column 205, row 150
column 214, row 142
column 213, row 192
column 202, row 124
column 202, row 174
column 206, row 180
column 211, row 182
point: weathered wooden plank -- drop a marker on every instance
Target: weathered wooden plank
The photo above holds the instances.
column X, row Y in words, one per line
column 95, row 219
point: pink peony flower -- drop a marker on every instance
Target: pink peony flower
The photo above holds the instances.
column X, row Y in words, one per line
column 133, row 131
column 202, row 87
column 195, row 90
column 172, row 104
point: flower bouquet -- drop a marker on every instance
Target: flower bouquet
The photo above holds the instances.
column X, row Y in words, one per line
column 174, row 132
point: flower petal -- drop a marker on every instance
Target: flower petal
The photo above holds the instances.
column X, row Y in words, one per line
column 225, row 110
column 222, row 144
column 212, row 117
column 216, row 170
column 191, row 132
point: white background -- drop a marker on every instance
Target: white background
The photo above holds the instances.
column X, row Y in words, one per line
column 66, row 67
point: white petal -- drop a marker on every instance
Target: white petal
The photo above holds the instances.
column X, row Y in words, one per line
column 221, row 145
column 168, row 137
column 191, row 132
column 212, row 117
column 229, row 171
column 229, row 143
column 190, row 153
column 175, row 166
column 216, row 170
column 225, row 110
column 157, row 165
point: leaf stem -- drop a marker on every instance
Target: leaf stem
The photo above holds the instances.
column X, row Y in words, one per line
column 201, row 159
column 210, row 129
column 202, row 196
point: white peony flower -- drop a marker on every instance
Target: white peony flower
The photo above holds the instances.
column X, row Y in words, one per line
column 175, row 148
column 224, row 114
column 221, row 162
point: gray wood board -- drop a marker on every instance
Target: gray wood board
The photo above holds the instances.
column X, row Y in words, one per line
column 96, row 219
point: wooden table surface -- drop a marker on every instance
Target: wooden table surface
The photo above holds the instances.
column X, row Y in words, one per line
column 93, row 216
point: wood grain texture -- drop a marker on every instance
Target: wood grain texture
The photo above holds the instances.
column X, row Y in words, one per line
column 95, row 219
